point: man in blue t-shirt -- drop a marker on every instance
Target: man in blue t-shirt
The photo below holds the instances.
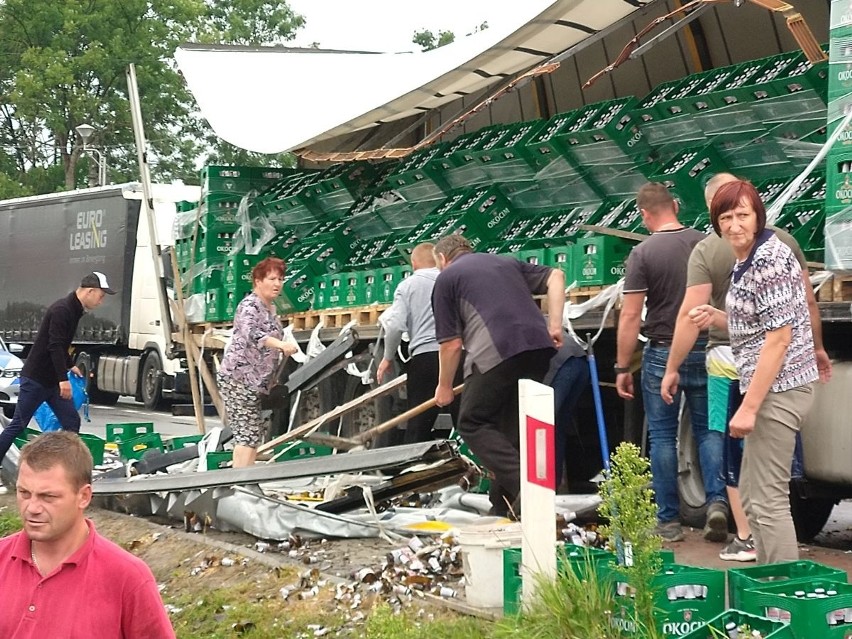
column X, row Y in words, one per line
column 484, row 303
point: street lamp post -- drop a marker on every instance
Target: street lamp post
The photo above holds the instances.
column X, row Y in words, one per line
column 85, row 132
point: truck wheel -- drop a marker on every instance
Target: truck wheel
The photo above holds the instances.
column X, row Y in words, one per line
column 84, row 363
column 151, row 385
column 810, row 514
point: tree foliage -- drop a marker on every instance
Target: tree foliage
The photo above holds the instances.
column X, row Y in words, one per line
column 64, row 64
column 428, row 41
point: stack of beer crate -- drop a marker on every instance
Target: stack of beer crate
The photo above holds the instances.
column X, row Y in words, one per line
column 838, row 198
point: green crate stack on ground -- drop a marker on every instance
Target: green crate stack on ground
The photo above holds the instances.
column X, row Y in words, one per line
column 728, row 624
column 578, row 559
column 620, row 215
column 389, row 278
column 816, row 608
column 790, row 572
column 684, row 598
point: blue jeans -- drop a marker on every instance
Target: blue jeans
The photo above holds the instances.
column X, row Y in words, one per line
column 663, row 426
column 569, row 383
column 30, row 397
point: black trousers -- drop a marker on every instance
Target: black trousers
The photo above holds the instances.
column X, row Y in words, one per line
column 422, row 373
column 488, row 419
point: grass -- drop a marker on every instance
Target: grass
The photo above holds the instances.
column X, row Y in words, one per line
column 576, row 605
column 9, row 522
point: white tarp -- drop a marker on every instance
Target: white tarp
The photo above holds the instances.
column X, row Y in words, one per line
column 272, row 99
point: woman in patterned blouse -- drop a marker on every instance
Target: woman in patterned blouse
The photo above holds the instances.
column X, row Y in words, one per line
column 769, row 326
column 251, row 358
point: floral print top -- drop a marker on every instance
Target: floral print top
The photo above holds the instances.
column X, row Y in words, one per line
column 246, row 359
column 767, row 293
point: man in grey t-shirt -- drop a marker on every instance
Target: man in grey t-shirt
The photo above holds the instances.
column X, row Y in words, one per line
column 656, row 276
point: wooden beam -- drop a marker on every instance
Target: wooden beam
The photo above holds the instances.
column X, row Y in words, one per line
column 343, row 409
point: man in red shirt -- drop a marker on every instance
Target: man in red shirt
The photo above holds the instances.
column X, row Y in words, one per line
column 59, row 577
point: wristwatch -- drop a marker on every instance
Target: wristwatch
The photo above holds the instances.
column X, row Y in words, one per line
column 620, row 369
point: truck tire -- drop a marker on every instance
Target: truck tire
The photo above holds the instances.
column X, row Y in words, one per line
column 84, row 363
column 151, row 381
column 810, row 514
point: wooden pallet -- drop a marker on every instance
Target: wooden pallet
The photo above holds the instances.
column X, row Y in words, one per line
column 583, row 294
column 839, row 289
column 337, row 317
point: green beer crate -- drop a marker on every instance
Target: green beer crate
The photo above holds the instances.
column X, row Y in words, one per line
column 299, row 450
column 418, row 177
column 536, row 256
column 233, row 297
column 550, row 140
column 618, row 179
column 136, row 447
column 26, row 435
column 96, row 447
column 213, row 246
column 770, row 188
column 297, row 293
column 726, row 625
column 460, row 168
column 838, row 177
column 262, row 177
column 117, row 432
column 599, row 260
column 508, row 158
column 328, row 291
column 814, row 608
column 611, row 136
column 183, row 441
column 736, row 90
column 238, row 268
column 652, row 108
column 688, row 172
column 791, row 572
column 217, row 460
column 372, row 286
column 685, row 597
column 561, row 256
column 352, row 289
column 225, row 179
column 805, row 221
column 578, row 558
column 622, row 215
column 207, row 277
column 215, row 301
column 487, row 211
column 390, row 277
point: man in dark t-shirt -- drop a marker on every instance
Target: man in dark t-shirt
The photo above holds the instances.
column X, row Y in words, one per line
column 44, row 377
column 483, row 302
column 656, row 276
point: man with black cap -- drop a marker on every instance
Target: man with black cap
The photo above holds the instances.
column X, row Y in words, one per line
column 44, row 377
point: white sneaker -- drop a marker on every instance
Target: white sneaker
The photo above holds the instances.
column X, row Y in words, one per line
column 739, row 550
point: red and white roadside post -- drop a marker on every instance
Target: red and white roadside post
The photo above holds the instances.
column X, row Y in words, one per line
column 538, row 483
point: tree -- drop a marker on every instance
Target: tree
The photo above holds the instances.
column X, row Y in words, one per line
column 427, row 40
column 64, row 65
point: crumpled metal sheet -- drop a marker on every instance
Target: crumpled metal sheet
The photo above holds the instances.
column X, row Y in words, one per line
column 353, row 461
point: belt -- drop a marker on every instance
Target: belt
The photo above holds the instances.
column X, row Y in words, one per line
column 660, row 343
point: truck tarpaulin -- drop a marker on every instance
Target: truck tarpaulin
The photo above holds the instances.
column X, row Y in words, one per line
column 48, row 243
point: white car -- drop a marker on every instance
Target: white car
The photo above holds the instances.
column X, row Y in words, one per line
column 10, row 376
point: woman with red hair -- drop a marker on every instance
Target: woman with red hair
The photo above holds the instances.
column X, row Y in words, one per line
column 251, row 358
column 766, row 315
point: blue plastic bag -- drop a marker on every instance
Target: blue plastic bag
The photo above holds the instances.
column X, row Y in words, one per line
column 44, row 415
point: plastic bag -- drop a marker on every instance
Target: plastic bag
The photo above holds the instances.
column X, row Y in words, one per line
column 46, row 418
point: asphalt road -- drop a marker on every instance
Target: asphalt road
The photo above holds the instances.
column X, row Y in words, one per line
column 127, row 410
